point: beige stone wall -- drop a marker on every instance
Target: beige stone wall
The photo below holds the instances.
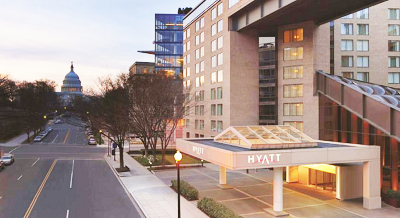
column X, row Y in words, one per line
column 142, row 68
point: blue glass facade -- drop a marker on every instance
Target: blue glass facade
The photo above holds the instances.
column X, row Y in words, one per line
column 169, row 44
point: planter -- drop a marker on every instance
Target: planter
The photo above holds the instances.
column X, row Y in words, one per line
column 391, row 202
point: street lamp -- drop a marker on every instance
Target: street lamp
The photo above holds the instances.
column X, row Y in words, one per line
column 100, row 131
column 87, row 112
column 65, row 108
column 44, row 117
column 178, row 158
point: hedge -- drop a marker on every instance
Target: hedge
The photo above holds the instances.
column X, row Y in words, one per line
column 187, row 191
column 393, row 194
column 215, row 210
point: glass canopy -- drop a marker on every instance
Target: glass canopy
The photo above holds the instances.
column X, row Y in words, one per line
column 264, row 137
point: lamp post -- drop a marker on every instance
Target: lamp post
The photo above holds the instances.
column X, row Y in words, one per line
column 178, row 158
column 100, row 131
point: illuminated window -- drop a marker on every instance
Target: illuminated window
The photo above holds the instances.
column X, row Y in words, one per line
column 213, row 77
column 349, row 75
column 201, row 80
column 346, row 29
column 292, row 91
column 197, row 68
column 295, row 35
column 202, row 66
column 220, row 42
column 220, row 9
column 213, row 61
column 202, row 51
column 184, row 48
column 220, row 59
column 188, row 45
column 394, row 14
column 213, row 13
column 213, row 29
column 219, row 110
column 202, row 22
column 293, row 72
column 362, row 45
column 290, row 54
column 347, row 61
column 296, row 124
column 188, row 59
column 197, row 54
column 184, row 61
column 213, row 45
column 394, row 30
column 293, row 109
column 184, row 35
column 347, row 45
column 394, row 62
column 220, row 76
column 188, row 71
column 363, row 61
column 219, row 93
column 212, row 94
column 363, row 76
column 202, row 37
column 363, row 29
column 184, row 73
column 188, row 33
column 197, row 82
column 394, row 45
column 220, row 25
column 394, row 78
column 363, row 14
column 197, row 39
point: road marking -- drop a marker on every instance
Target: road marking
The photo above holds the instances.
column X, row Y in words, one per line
column 14, row 149
column 67, row 214
column 66, row 137
column 35, row 162
column 19, row 177
column 55, row 138
column 72, row 173
column 28, row 212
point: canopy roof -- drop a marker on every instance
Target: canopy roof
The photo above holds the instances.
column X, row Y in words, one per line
column 262, row 137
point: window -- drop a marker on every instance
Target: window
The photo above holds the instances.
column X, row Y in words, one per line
column 220, row 42
column 202, row 124
column 213, row 109
column 219, row 110
column 197, row 125
column 220, row 76
column 196, row 111
column 197, row 81
column 188, row 71
column 201, row 80
column 293, row 109
column 187, row 111
column 394, row 14
column 292, row 91
column 296, row 124
column 213, row 29
column 184, row 35
column 186, row 84
column 202, row 51
column 188, row 45
column 212, row 94
column 362, row 45
column 394, row 78
column 232, row 3
column 213, row 77
column 394, row 62
column 220, row 59
column 202, row 66
column 201, row 109
column 347, row 45
column 220, row 25
column 346, row 29
column 202, row 22
column 347, row 61
column 347, row 75
column 184, row 61
column 349, row 16
column 293, row 72
column 220, row 9
column 290, row 54
column 295, row 35
column 184, row 48
column 201, row 95
column 184, row 73
column 213, row 45
column 219, row 126
column 187, row 123
column 197, row 54
column 362, row 29
column 394, row 30
column 213, row 125
column 363, row 14
column 363, row 76
column 188, row 59
column 188, row 33
column 213, row 61
column 197, row 96
column 219, row 93
column 394, row 45
column 213, row 13
column 197, row 26
column 197, row 39
column 363, row 61
column 197, row 68
column 202, row 37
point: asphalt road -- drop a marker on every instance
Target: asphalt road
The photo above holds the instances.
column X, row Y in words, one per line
column 62, row 176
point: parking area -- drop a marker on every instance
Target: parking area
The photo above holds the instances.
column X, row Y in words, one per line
column 252, row 192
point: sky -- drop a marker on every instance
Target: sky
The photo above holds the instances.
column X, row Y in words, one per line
column 39, row 39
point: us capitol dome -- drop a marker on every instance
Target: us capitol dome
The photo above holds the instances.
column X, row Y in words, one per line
column 71, row 87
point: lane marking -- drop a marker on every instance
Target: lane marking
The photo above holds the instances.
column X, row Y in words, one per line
column 28, row 212
column 14, row 149
column 55, row 138
column 72, row 173
column 19, row 177
column 35, row 162
column 67, row 214
column 66, row 137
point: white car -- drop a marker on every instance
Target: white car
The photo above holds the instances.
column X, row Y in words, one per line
column 92, row 141
column 38, row 139
column 8, row 159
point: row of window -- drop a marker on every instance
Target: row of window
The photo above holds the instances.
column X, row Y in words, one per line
column 215, row 94
column 362, row 61
column 199, row 53
column 294, row 35
column 217, row 76
column 217, row 27
column 290, row 54
column 293, row 91
column 216, row 126
column 393, row 78
column 217, row 44
column 199, row 38
column 217, row 60
column 217, row 11
column 363, row 14
column 347, row 45
column 347, row 29
column 293, row 109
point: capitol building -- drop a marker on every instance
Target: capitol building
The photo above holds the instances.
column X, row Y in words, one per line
column 71, row 88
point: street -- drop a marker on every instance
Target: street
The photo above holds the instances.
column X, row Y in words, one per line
column 62, row 176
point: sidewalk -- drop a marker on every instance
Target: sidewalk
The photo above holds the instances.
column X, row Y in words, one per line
column 16, row 140
column 153, row 196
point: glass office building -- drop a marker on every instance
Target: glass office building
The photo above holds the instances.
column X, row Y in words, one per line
column 169, row 44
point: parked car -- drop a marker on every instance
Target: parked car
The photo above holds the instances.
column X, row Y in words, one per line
column 38, row 139
column 49, row 129
column 92, row 141
column 8, row 159
column 2, row 165
column 58, row 122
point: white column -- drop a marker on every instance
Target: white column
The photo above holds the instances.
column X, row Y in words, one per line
column 371, row 185
column 278, row 189
column 222, row 175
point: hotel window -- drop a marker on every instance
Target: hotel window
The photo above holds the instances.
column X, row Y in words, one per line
column 346, row 29
column 220, row 59
column 394, row 62
column 394, row 14
column 187, row 123
column 363, row 14
column 363, row 61
column 197, row 68
column 213, row 125
column 201, row 95
column 188, row 45
column 202, row 51
column 188, row 71
column 220, row 25
column 363, row 76
column 292, row 91
column 290, row 54
column 197, row 124
column 213, row 77
column 219, row 126
column 188, row 33
column 293, row 109
column 349, row 16
column 201, row 80
column 220, row 76
column 213, row 13
column 394, row 30
column 202, row 22
column 394, row 78
column 293, row 72
column 212, row 94
column 184, row 48
column 201, row 124
column 213, row 29
column 347, row 61
column 197, row 39
column 394, row 45
column 186, row 84
column 362, row 29
column 197, row 26
column 295, row 35
column 219, row 110
column 184, row 61
column 232, row 3
column 220, row 42
column 197, row 96
column 213, row 45
column 196, row 111
column 202, row 66
column 201, row 109
column 347, row 45
column 202, row 37
column 219, row 93
column 197, row 82
column 188, row 59
column 213, row 61
column 348, row 75
column 362, row 45
column 187, row 111
column 197, row 54
column 220, row 9
column 184, row 35
column 184, row 73
column 296, row 124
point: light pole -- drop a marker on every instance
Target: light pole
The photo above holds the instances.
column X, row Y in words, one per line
column 178, row 158
column 100, row 131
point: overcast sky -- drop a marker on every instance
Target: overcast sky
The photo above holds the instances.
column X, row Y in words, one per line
column 39, row 39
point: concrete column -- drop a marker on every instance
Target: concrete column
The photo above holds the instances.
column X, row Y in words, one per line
column 371, row 185
column 222, row 175
column 278, row 189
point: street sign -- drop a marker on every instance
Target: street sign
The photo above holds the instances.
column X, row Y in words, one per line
column 114, row 145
